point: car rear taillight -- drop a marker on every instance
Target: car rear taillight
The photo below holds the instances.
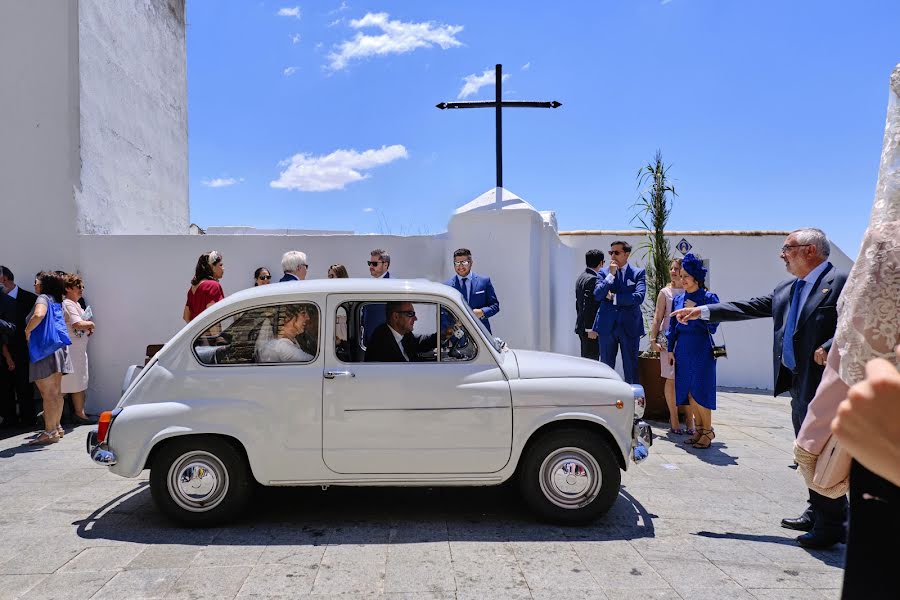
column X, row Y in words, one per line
column 103, row 426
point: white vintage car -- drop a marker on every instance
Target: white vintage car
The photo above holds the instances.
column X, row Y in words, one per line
column 306, row 384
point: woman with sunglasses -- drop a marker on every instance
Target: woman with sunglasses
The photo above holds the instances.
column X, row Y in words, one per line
column 261, row 276
column 80, row 328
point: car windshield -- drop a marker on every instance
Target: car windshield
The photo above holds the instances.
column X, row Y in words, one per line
column 495, row 342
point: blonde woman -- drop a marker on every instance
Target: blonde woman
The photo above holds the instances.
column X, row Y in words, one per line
column 666, row 366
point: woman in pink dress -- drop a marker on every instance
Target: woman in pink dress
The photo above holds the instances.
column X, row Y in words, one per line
column 80, row 328
column 660, row 326
column 205, row 289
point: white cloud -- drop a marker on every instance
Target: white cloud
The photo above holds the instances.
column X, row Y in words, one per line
column 308, row 173
column 369, row 209
column 289, row 12
column 526, row 66
column 476, row 82
column 335, row 23
column 221, row 182
column 289, row 71
column 397, row 37
column 295, row 38
column 344, row 6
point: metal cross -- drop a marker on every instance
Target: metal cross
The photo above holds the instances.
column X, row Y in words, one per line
column 499, row 104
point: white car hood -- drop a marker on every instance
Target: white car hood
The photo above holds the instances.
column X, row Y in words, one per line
column 538, row 365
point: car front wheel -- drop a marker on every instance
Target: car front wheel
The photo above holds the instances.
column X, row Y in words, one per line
column 569, row 477
column 200, row 481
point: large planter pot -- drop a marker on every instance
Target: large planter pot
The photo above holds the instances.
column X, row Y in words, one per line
column 654, row 388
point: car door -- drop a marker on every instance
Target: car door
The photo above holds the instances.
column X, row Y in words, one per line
column 438, row 416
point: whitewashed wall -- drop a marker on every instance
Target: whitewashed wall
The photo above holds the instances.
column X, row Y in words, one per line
column 137, row 284
column 133, row 117
column 38, row 135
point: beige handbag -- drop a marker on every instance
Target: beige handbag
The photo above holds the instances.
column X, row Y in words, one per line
column 832, row 470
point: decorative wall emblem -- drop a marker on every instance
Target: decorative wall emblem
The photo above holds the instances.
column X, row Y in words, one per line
column 683, row 246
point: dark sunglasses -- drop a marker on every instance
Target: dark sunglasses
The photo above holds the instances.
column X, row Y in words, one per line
column 265, row 277
column 406, row 313
column 374, row 263
column 615, row 252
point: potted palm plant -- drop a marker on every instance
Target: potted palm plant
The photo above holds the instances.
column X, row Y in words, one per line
column 653, row 208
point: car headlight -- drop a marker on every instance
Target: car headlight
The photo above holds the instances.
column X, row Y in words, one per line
column 640, row 400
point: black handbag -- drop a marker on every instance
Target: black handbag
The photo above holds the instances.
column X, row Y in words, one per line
column 718, row 350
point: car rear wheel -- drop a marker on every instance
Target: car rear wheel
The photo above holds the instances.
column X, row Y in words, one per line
column 200, row 481
column 569, row 477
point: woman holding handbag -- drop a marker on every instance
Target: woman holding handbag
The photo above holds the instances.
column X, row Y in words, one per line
column 48, row 342
column 661, row 319
column 692, row 345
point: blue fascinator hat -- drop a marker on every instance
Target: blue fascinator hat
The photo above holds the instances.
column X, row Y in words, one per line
column 694, row 267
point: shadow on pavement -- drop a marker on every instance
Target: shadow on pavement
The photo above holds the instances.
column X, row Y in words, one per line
column 833, row 557
column 357, row 515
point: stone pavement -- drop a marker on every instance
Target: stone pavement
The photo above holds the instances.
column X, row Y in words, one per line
column 688, row 524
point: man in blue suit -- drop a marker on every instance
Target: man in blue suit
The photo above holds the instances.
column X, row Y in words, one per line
column 373, row 315
column 477, row 290
column 619, row 323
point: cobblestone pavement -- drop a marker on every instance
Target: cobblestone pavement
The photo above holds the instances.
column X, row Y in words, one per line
column 688, row 524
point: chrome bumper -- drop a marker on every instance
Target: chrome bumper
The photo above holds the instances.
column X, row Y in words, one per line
column 641, row 440
column 99, row 453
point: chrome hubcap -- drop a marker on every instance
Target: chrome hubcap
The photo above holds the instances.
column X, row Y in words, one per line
column 197, row 481
column 570, row 478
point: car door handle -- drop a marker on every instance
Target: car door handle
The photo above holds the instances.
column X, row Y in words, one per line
column 333, row 374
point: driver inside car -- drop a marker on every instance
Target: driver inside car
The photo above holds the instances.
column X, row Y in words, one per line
column 394, row 340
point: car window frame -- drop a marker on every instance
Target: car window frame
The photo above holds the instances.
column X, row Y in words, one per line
column 471, row 337
column 319, row 340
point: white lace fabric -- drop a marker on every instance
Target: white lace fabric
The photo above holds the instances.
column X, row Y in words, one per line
column 869, row 307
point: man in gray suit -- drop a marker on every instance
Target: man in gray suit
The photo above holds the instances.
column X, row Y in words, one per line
column 804, row 311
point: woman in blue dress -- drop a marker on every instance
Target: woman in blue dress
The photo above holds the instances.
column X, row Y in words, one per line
column 691, row 343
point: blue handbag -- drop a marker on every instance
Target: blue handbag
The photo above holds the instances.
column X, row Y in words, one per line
column 50, row 335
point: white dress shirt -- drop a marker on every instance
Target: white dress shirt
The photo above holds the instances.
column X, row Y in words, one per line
column 399, row 340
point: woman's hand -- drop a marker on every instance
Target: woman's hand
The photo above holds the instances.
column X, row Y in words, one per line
column 868, row 421
column 654, row 345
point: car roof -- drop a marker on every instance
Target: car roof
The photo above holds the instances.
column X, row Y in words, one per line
column 341, row 286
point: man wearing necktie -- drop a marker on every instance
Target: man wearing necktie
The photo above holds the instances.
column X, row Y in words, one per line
column 804, row 312
column 619, row 322
column 477, row 290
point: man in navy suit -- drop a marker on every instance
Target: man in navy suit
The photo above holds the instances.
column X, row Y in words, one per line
column 294, row 265
column 477, row 290
column 804, row 312
column 619, row 322
column 586, row 306
column 18, row 389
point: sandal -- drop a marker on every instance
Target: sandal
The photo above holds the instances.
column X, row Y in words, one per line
column 60, row 432
column 45, row 438
column 694, row 437
column 708, row 434
column 676, row 431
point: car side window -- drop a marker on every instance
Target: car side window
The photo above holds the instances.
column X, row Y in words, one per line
column 285, row 333
column 457, row 342
column 367, row 331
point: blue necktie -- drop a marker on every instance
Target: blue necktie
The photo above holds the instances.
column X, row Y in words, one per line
column 787, row 356
column 465, row 289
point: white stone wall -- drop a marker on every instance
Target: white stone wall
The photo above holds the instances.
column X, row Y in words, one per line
column 133, row 117
column 137, row 284
column 38, row 136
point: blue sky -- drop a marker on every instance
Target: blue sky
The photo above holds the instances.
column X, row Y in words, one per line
column 320, row 115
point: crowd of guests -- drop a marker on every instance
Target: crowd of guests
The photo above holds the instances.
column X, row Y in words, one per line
column 477, row 290
column 43, row 340
column 609, row 320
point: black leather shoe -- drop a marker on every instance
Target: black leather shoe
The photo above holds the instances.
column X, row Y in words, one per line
column 823, row 537
column 804, row 522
